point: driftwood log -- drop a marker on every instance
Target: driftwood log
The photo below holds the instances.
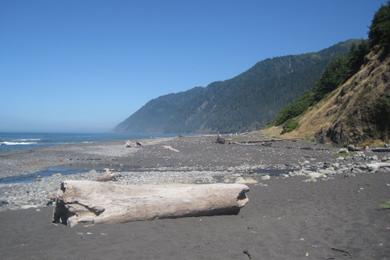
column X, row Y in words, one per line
column 96, row 202
column 374, row 167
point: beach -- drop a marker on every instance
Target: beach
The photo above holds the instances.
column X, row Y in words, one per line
column 307, row 201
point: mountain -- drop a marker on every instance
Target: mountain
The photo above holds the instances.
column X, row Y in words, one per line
column 350, row 104
column 245, row 102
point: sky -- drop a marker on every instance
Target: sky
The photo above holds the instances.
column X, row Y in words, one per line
column 85, row 66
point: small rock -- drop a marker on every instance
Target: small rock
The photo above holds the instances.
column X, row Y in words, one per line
column 3, row 203
column 245, row 252
column 385, row 159
column 374, row 158
column 353, row 148
column 336, row 165
column 220, row 140
column 247, row 180
column 325, row 165
column 343, row 150
column 265, row 177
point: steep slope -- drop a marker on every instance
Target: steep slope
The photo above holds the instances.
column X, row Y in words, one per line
column 245, row 102
column 356, row 111
column 351, row 101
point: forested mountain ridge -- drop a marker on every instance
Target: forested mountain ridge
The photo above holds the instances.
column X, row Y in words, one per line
column 245, row 102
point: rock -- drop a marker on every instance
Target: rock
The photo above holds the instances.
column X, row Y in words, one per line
column 343, row 150
column 128, row 144
column 353, row 148
column 325, row 165
column 374, row 158
column 385, row 159
column 246, row 180
column 265, row 178
column 3, row 203
column 96, row 202
column 138, row 144
column 220, row 140
column 360, row 154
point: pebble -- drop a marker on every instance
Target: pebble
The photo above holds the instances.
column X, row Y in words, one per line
column 265, row 177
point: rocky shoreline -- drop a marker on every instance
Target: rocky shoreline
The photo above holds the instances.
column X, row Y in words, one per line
column 312, row 163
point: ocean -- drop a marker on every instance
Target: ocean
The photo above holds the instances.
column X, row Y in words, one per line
column 23, row 141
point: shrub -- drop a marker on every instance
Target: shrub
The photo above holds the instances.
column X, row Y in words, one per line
column 382, row 115
column 290, row 125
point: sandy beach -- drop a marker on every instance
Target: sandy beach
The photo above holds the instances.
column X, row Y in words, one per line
column 307, row 201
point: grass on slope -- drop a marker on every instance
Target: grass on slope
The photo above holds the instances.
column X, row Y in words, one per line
column 337, row 72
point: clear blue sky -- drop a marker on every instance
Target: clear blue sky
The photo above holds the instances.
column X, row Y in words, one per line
column 80, row 65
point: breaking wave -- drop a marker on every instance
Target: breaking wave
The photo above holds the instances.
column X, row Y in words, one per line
column 17, row 143
column 28, row 140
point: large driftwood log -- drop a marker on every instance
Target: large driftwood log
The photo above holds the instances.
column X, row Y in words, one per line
column 96, row 202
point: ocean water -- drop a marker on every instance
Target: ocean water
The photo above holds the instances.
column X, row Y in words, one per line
column 21, row 141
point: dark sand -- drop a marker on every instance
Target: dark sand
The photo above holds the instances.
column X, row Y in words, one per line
column 289, row 219
column 332, row 218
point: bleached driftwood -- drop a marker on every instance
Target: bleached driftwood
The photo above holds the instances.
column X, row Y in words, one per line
column 168, row 147
column 96, row 202
column 374, row 167
column 108, row 176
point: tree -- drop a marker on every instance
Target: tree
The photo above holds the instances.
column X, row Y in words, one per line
column 380, row 29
